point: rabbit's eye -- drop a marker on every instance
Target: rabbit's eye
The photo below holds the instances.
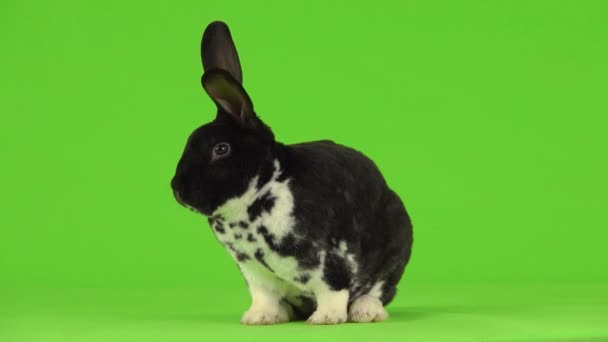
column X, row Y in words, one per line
column 221, row 150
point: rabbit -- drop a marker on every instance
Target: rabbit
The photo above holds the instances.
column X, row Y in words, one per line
column 313, row 227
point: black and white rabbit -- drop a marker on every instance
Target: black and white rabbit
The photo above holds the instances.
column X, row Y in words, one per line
column 313, row 227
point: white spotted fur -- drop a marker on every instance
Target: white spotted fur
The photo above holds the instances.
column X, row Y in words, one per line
column 268, row 288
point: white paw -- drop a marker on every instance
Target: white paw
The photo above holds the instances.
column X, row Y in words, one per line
column 367, row 309
column 324, row 316
column 266, row 316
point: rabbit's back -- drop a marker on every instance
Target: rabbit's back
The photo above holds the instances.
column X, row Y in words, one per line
column 337, row 190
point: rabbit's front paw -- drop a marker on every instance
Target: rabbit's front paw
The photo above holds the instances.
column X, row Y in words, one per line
column 331, row 308
column 327, row 317
column 367, row 309
column 264, row 315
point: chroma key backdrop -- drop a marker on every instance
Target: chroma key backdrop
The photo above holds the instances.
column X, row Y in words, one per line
column 488, row 118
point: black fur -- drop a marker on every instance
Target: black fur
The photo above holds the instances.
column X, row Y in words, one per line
column 259, row 255
column 219, row 227
column 265, row 203
column 265, row 174
column 303, row 306
column 302, row 278
column 336, row 273
column 242, row 257
column 339, row 194
column 302, row 250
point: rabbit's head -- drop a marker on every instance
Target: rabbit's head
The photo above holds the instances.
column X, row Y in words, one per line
column 222, row 157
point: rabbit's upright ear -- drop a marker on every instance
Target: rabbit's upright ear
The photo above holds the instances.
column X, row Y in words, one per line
column 218, row 51
column 230, row 97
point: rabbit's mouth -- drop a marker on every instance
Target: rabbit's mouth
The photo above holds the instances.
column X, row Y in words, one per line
column 179, row 198
column 192, row 209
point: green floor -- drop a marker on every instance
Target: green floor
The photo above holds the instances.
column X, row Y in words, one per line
column 450, row 313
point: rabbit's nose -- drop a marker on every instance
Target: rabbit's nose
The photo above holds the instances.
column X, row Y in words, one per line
column 177, row 196
column 175, row 183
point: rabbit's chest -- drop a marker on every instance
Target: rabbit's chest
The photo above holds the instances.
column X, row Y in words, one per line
column 257, row 229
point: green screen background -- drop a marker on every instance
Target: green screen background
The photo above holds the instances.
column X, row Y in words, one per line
column 488, row 118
